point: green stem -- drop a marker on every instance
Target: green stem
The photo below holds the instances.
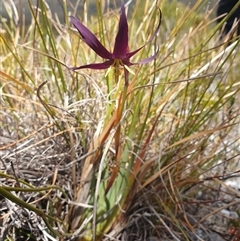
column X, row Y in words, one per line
column 22, row 203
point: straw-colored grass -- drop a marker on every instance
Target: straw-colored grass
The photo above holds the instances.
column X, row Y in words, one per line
column 85, row 158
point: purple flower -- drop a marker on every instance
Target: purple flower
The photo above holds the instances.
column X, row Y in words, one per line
column 121, row 54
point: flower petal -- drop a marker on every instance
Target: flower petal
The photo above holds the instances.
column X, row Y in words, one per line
column 90, row 39
column 149, row 59
column 121, row 41
column 130, row 54
column 144, row 61
column 104, row 65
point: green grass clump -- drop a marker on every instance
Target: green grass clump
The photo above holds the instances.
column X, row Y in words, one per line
column 83, row 156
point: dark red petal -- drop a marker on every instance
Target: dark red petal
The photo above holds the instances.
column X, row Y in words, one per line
column 104, row 65
column 90, row 39
column 121, row 41
column 129, row 55
column 144, row 61
column 127, row 62
column 149, row 59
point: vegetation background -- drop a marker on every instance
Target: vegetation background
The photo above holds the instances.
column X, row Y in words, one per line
column 56, row 6
column 85, row 157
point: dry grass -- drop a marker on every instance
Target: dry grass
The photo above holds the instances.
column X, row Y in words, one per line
column 179, row 140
